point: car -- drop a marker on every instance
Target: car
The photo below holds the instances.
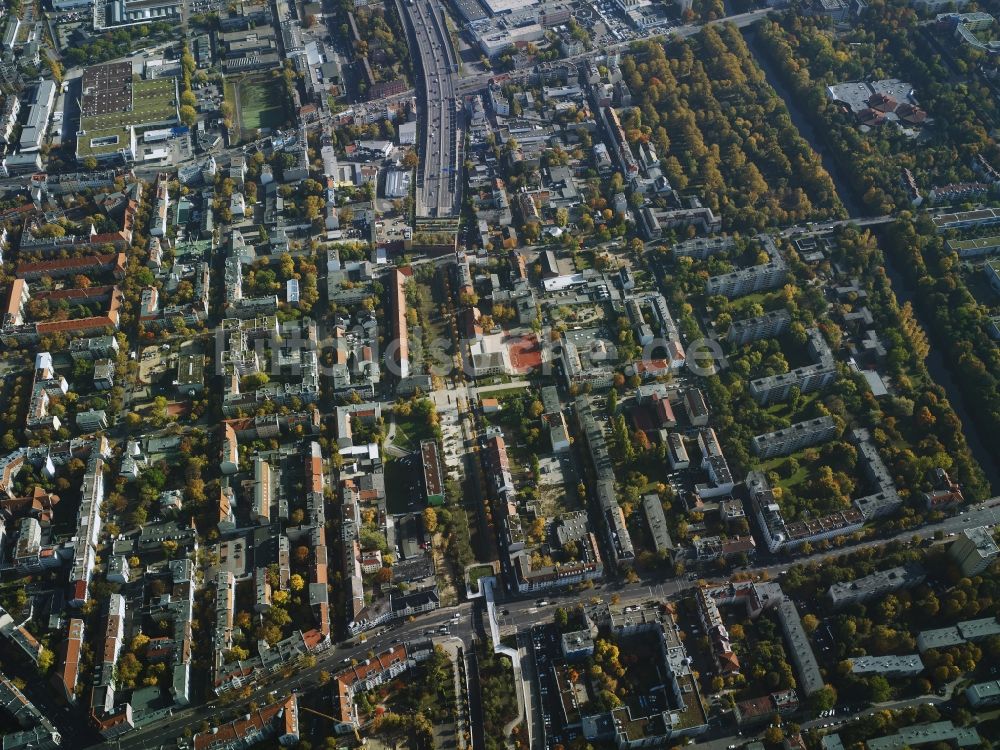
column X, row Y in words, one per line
column 732, row 747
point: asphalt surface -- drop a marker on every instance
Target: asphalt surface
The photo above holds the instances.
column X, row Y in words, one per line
column 438, row 175
column 514, row 614
column 164, row 733
column 470, row 84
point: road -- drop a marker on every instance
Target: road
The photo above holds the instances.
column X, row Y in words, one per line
column 472, row 83
column 521, row 614
column 165, row 732
column 513, row 614
column 437, row 177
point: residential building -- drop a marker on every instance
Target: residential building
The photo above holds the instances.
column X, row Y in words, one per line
column 366, row 675
column 764, row 326
column 992, row 270
column 677, row 453
column 888, row 666
column 656, row 524
column 938, row 733
column 726, row 661
column 810, row 680
column 763, row 277
column 104, row 374
column 807, row 379
column 702, row 248
column 100, row 347
column 791, row 439
column 983, row 694
column 278, row 719
column 69, row 665
column 713, row 461
column 974, row 550
column 763, row 709
column 433, row 477
column 843, row 593
column 603, row 485
column 695, row 406
column 92, row 420
column 968, row 630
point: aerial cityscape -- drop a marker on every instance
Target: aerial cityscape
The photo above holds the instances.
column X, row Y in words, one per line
column 500, row 374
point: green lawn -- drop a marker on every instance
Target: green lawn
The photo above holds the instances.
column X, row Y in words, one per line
column 262, row 102
column 410, row 432
column 480, row 571
column 784, row 408
column 800, row 475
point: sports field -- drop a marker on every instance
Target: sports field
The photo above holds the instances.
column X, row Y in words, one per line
column 259, row 102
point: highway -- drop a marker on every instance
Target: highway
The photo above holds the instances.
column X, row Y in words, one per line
column 438, row 174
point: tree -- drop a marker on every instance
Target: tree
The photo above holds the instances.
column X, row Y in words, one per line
column 823, row 699
column 45, row 660
column 296, row 582
column 410, row 159
column 561, row 618
column 384, row 575
column 879, row 689
column 188, row 115
column 430, row 520
column 774, row 735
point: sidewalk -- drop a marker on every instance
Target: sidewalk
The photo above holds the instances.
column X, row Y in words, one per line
column 451, row 646
column 523, row 706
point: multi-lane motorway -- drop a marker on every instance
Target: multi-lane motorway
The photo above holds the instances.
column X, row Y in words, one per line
column 438, row 177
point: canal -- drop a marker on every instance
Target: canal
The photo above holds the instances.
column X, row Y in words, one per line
column 935, row 362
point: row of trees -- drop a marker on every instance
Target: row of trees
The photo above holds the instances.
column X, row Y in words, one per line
column 959, row 322
column 888, row 43
column 499, row 700
column 718, row 127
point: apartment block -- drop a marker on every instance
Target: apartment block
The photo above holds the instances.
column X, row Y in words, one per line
column 702, row 248
column 656, row 523
column 807, row 379
column 791, row 439
column 974, row 550
column 764, row 326
column 983, row 694
column 882, row 582
column 806, row 668
column 616, row 531
column 677, row 452
column 695, row 406
column 938, row 733
column 760, row 278
column 713, row 461
column 888, row 666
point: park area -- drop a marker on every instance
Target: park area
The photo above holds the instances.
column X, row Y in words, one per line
column 259, row 102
